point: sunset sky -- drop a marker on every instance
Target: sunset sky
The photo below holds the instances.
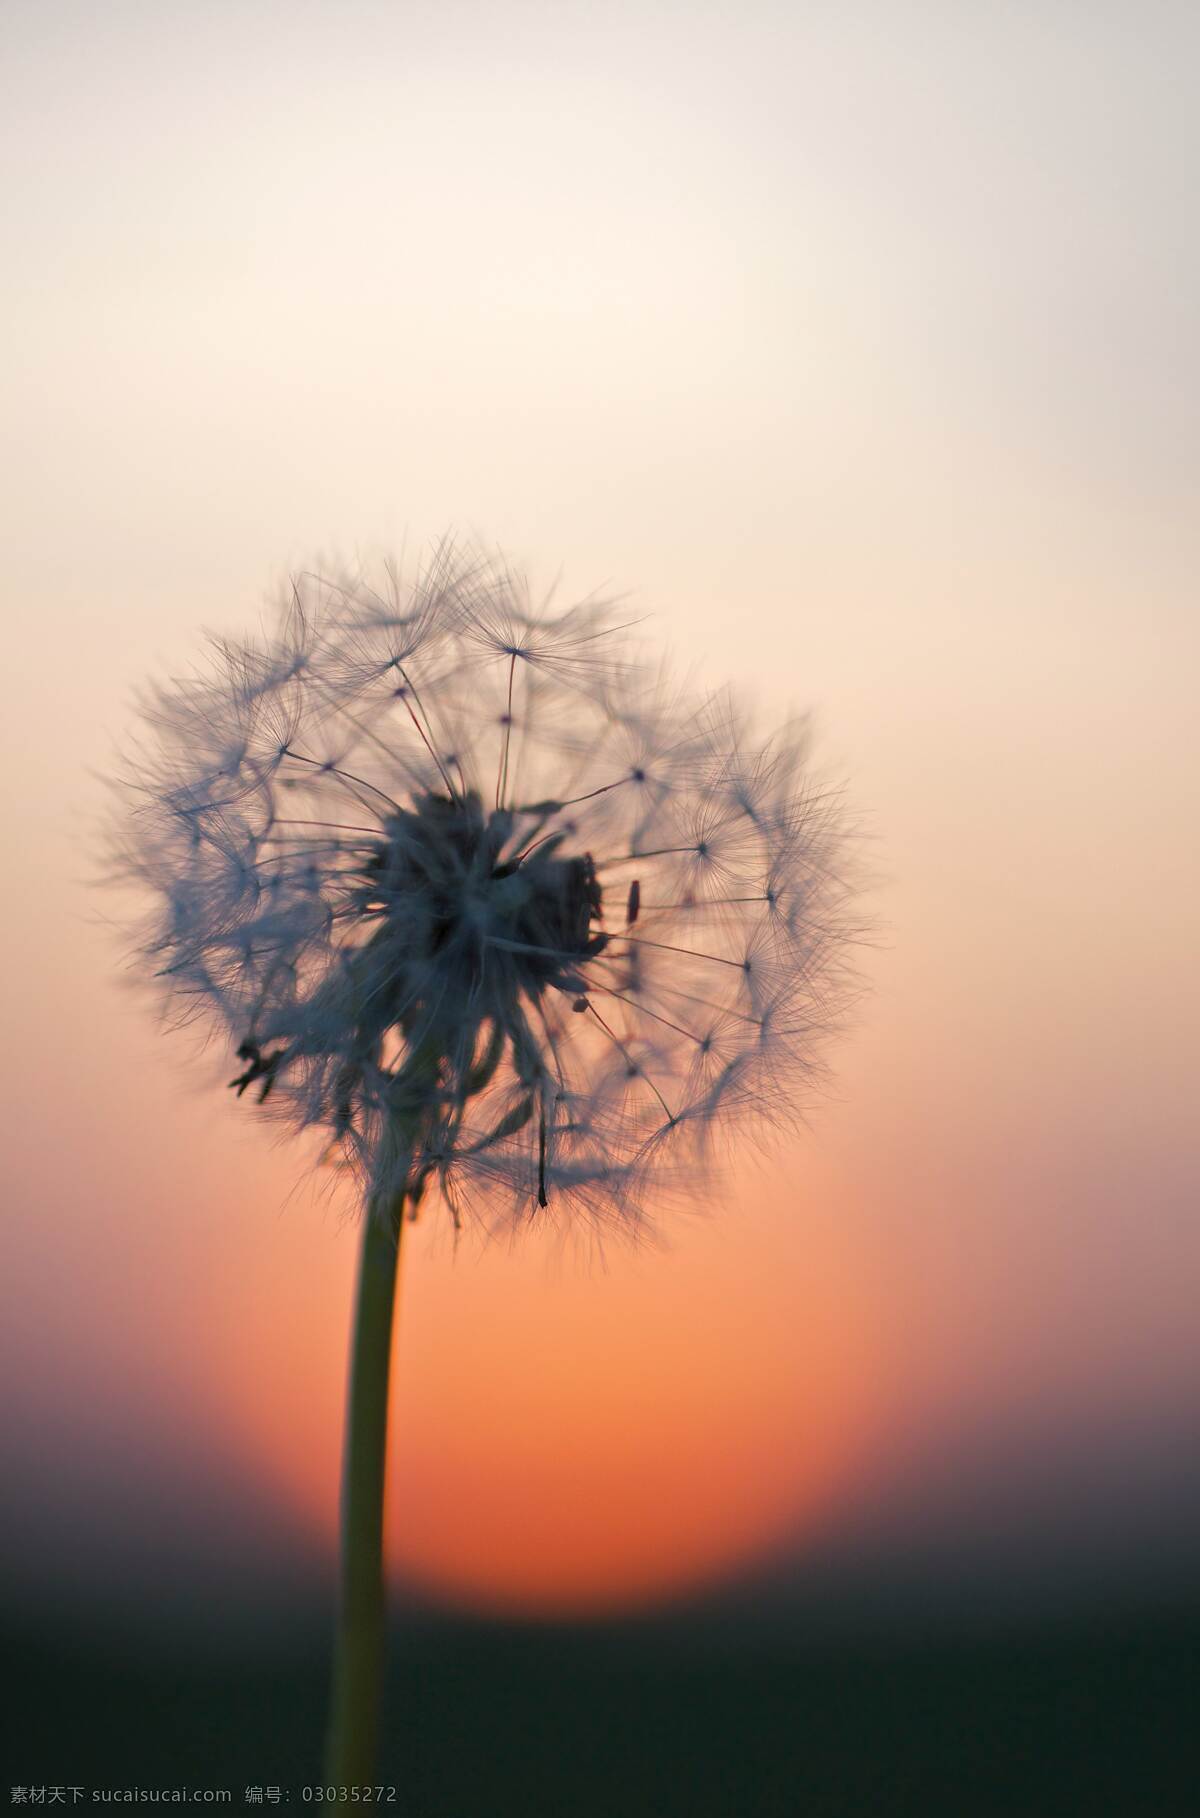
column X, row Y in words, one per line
column 857, row 345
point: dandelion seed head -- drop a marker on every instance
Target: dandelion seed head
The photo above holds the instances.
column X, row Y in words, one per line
column 470, row 888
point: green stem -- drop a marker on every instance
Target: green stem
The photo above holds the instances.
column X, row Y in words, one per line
column 351, row 1747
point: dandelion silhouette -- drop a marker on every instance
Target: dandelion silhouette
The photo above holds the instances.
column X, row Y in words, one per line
column 472, row 890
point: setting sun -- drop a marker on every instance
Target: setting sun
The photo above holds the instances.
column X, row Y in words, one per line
column 571, row 1434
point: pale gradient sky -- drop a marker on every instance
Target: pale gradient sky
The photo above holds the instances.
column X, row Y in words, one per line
column 859, row 344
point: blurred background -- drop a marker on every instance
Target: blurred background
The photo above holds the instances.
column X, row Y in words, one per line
column 858, row 345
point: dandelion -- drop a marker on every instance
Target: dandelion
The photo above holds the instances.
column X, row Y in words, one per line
column 474, row 893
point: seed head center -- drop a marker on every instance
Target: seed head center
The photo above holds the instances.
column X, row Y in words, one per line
column 463, row 903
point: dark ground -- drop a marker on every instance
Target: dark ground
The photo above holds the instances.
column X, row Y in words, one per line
column 1083, row 1716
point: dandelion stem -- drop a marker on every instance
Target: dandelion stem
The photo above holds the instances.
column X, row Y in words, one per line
column 358, row 1657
